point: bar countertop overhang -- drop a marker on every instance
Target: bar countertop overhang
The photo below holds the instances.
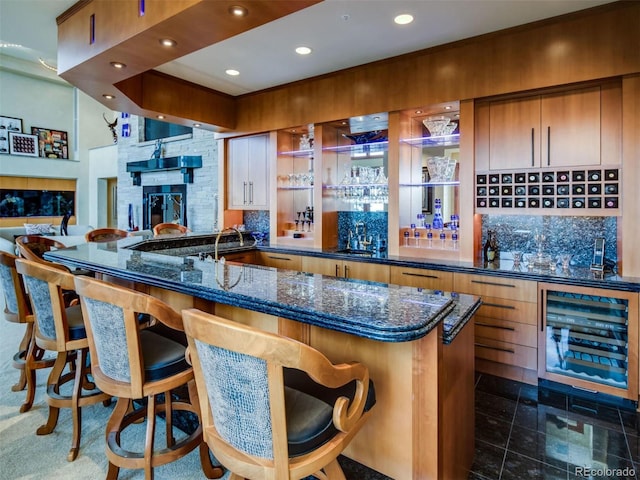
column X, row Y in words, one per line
column 383, row 312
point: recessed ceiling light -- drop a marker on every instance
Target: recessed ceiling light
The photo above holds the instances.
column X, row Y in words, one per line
column 418, row 112
column 238, row 11
column 303, row 50
column 403, row 19
column 118, row 65
column 197, row 125
column 10, row 45
column 448, row 107
column 167, row 42
column 232, row 72
column 161, row 117
column 108, row 96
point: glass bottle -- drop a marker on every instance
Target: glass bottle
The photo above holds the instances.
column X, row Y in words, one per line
column 438, row 223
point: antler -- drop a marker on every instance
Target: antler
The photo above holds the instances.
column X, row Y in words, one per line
column 112, row 127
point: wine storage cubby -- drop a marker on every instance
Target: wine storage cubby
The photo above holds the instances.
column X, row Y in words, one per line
column 573, row 191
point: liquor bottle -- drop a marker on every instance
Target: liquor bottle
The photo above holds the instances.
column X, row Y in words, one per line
column 489, row 253
column 438, row 223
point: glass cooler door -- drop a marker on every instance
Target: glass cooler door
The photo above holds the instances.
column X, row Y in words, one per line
column 588, row 337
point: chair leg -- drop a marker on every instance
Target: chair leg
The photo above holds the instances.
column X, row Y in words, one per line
column 53, row 384
column 168, row 417
column 114, row 426
column 208, row 468
column 334, row 471
column 148, row 444
column 76, row 412
column 21, row 358
column 30, row 374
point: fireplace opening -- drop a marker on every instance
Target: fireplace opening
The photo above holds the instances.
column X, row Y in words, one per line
column 164, row 204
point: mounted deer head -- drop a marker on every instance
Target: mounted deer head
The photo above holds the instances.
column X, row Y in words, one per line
column 112, row 127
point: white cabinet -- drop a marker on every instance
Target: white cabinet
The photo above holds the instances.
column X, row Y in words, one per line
column 248, row 173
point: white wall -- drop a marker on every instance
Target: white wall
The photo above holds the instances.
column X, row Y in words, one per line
column 41, row 99
column 103, row 164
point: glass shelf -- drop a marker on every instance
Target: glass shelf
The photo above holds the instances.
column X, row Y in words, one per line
column 436, row 141
column 297, row 187
column 298, row 153
column 432, row 184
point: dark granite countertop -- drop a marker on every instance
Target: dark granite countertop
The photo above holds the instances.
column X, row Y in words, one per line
column 579, row 276
column 389, row 313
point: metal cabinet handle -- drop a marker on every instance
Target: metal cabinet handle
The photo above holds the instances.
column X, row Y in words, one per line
column 495, row 284
column 250, row 193
column 337, row 270
column 497, row 305
column 500, row 327
column 279, row 258
column 422, row 275
column 533, row 148
column 507, row 350
column 346, row 271
column 244, row 193
column 548, row 146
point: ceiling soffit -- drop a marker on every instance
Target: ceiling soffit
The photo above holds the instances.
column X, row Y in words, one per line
column 123, row 35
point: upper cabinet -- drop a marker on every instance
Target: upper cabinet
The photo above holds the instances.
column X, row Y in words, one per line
column 555, row 129
column 248, row 173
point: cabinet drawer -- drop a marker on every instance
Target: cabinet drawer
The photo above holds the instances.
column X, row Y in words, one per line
column 506, row 309
column 242, row 257
column 422, row 278
column 506, row 331
column 504, row 352
column 490, row 286
column 279, row 260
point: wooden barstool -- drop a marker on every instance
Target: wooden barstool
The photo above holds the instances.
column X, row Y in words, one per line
column 273, row 407
column 105, row 235
column 18, row 310
column 61, row 329
column 148, row 364
column 169, row 228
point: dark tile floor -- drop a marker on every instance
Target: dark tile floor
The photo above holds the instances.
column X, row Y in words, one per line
column 523, row 432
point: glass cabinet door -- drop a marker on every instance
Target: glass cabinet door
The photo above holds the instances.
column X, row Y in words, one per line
column 590, row 335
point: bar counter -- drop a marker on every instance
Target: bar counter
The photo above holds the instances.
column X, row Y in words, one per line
column 417, row 343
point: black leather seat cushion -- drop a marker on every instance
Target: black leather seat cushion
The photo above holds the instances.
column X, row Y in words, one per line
column 309, row 410
column 76, row 323
column 163, row 357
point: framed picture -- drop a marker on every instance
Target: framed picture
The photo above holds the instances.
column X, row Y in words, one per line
column 51, row 143
column 7, row 125
column 23, row 144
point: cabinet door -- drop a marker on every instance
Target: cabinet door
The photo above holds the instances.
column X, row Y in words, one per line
column 366, row 271
column 238, row 173
column 248, row 173
column 322, row 266
column 258, row 172
column 570, row 123
column 514, row 133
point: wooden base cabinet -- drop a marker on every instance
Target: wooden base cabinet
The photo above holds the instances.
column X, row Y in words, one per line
column 588, row 339
column 505, row 325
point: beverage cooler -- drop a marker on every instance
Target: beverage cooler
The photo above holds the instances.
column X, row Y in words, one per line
column 588, row 339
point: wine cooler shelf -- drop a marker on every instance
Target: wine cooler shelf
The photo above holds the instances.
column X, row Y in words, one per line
column 587, row 337
column 566, row 189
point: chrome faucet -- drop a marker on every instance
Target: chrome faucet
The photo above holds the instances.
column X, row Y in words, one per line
column 215, row 250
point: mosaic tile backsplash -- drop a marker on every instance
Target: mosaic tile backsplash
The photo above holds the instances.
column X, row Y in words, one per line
column 564, row 234
column 376, row 223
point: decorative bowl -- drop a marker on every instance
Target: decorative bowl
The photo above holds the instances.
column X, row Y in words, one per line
column 436, row 125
